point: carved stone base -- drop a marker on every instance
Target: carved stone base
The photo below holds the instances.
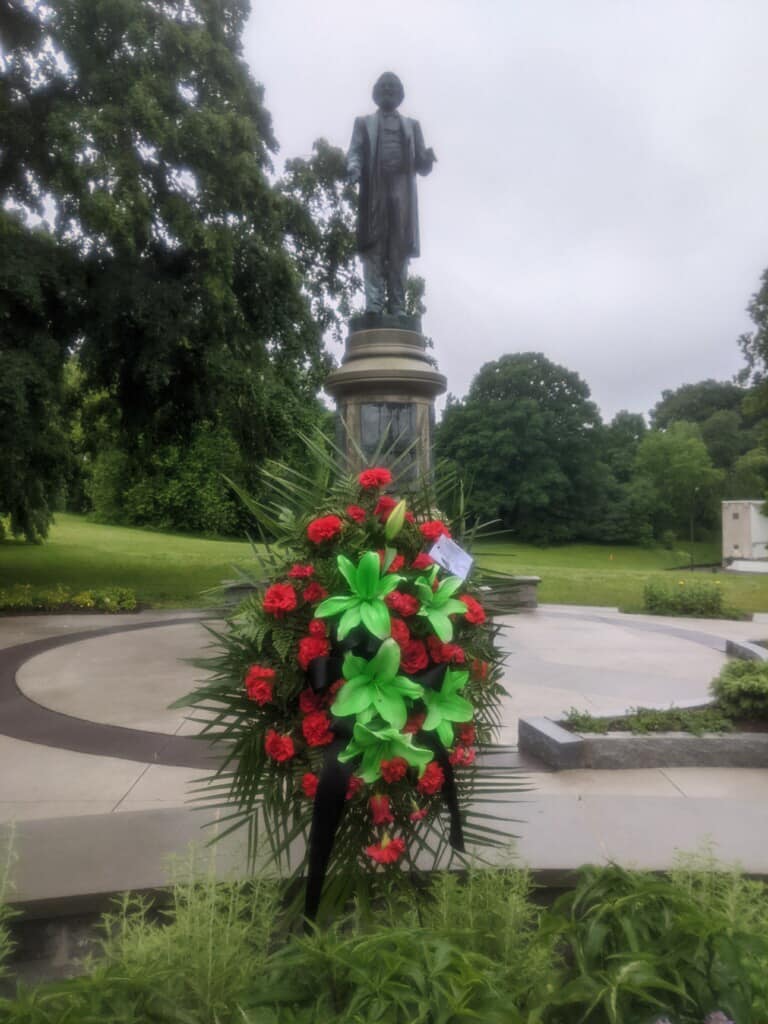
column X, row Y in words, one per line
column 385, row 392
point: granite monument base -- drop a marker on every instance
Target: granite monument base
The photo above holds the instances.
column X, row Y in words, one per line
column 385, row 392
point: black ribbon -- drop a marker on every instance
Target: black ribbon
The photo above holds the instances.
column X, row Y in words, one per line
column 333, row 783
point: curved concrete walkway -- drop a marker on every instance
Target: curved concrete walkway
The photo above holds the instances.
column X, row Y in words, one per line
column 97, row 770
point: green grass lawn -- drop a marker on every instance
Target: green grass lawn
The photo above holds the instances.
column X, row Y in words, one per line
column 166, row 570
column 172, row 570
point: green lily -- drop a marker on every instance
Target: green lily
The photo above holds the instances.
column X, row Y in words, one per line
column 395, row 520
column 445, row 706
column 374, row 686
column 377, row 745
column 437, row 605
column 366, row 602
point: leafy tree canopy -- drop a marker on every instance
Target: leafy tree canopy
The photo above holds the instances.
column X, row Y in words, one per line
column 529, row 432
column 695, row 403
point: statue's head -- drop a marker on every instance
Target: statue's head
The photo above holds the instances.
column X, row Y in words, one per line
column 388, row 91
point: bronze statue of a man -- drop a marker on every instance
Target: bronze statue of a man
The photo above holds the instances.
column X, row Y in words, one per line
column 386, row 153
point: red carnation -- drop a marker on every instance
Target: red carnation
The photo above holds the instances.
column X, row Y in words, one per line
column 414, row 657
column 422, row 561
column 432, row 780
column 410, row 517
column 394, row 770
column 310, row 701
column 317, row 628
column 466, row 734
column 370, row 479
column 356, row 513
column 404, row 604
column 418, row 814
column 397, row 562
column 301, row 572
column 384, row 506
column 316, row 729
column 444, row 654
column 433, row 529
column 380, row 811
column 258, row 683
column 462, row 757
column 311, row 647
column 479, row 670
column 279, row 748
column 389, row 851
column 334, row 688
column 324, row 528
column 415, row 722
column 400, row 631
column 314, row 592
column 475, row 612
column 355, row 783
column 279, row 599
column 309, row 783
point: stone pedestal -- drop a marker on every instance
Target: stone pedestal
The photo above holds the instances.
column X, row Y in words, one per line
column 385, row 392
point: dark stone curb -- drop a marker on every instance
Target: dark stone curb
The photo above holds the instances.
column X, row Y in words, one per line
column 24, row 719
column 561, row 749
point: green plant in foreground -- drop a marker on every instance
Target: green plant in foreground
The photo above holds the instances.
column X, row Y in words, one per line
column 741, row 689
column 697, row 598
column 7, row 945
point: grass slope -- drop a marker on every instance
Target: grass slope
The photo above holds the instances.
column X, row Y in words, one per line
column 166, row 570
column 172, row 570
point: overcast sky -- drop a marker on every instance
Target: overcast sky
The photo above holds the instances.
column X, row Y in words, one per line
column 600, row 191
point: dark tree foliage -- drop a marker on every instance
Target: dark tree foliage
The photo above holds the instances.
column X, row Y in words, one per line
column 135, row 128
column 695, row 403
column 529, row 432
column 37, row 282
column 621, row 439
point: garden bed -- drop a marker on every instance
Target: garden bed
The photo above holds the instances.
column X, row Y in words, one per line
column 561, row 748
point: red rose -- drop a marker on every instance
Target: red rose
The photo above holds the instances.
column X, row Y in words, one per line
column 433, row 529
column 462, row 757
column 466, row 734
column 394, row 770
column 301, row 572
column 370, row 479
column 279, row 599
column 258, row 683
column 356, row 513
column 379, row 808
column 418, row 814
column 415, row 722
column 324, row 528
column 404, row 604
column 413, row 657
column 400, row 631
column 309, row 783
column 314, row 592
column 445, row 654
column 316, row 729
column 311, row 647
column 279, row 748
column 317, row 628
column 422, row 561
column 384, row 506
column 310, row 701
column 388, row 852
column 432, row 780
column 355, row 783
column 475, row 612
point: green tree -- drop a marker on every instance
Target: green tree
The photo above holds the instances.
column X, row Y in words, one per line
column 621, row 440
column 137, row 131
column 686, row 485
column 530, row 434
column 695, row 403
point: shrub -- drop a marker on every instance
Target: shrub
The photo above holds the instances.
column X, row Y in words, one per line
column 685, row 597
column 641, row 721
column 741, row 689
column 24, row 598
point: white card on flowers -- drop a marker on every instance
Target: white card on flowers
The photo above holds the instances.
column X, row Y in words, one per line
column 451, row 557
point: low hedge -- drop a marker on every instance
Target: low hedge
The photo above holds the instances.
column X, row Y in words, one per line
column 25, row 598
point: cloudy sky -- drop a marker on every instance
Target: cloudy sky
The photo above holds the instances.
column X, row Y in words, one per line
column 600, row 194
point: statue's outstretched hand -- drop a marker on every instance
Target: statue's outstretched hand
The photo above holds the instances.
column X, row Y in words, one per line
column 430, row 155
